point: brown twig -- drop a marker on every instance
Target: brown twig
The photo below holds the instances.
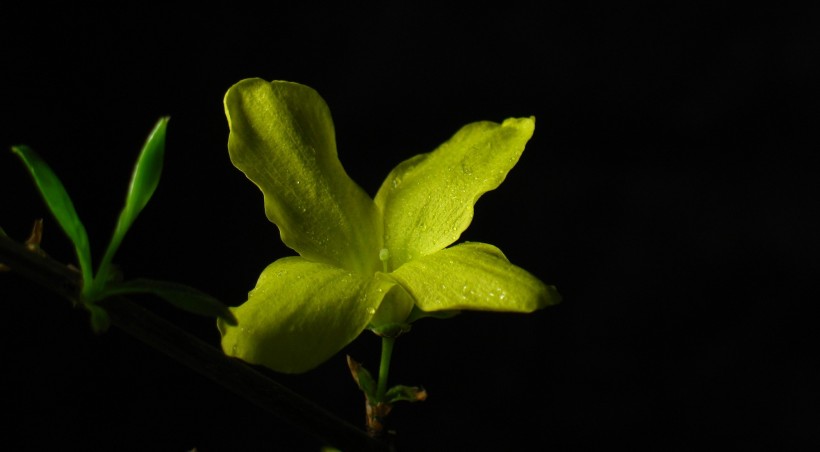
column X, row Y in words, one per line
column 160, row 334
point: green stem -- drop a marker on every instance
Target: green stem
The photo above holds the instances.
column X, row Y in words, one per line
column 84, row 261
column 103, row 270
column 384, row 367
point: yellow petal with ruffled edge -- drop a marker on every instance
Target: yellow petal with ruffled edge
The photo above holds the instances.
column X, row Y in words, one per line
column 473, row 276
column 282, row 138
column 300, row 314
column 427, row 201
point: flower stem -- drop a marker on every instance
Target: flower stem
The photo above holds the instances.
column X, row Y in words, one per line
column 384, row 367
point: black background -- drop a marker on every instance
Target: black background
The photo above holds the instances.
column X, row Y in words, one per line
column 667, row 192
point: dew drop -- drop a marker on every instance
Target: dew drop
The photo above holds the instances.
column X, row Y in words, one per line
column 371, row 311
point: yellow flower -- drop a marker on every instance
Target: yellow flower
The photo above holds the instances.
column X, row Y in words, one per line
column 364, row 263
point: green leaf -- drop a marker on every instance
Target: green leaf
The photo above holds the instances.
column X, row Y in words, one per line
column 282, row 138
column 362, row 377
column 301, row 313
column 145, row 178
column 474, row 276
column 179, row 295
column 144, row 181
column 405, row 393
column 60, row 205
column 427, row 201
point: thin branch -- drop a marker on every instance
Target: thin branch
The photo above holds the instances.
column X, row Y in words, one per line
column 160, row 334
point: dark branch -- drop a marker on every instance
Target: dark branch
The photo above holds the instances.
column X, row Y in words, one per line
column 157, row 332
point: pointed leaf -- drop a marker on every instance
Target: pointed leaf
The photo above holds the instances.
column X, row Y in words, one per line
column 427, row 201
column 473, row 276
column 145, row 178
column 179, row 295
column 282, row 138
column 60, row 205
column 405, row 393
column 144, row 181
column 301, row 313
column 362, row 377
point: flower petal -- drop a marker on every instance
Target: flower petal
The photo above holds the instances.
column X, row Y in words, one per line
column 395, row 308
column 473, row 276
column 282, row 138
column 427, row 201
column 301, row 313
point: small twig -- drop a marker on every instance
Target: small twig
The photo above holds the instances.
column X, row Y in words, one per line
column 160, row 334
